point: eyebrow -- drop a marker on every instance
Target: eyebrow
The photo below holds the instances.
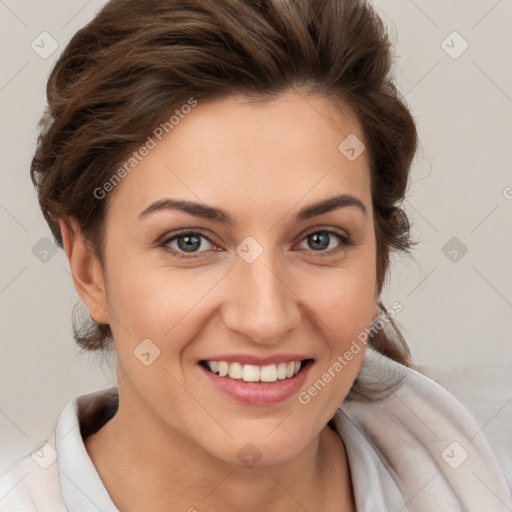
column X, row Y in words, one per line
column 221, row 215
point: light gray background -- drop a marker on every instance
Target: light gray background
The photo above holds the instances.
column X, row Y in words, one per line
column 453, row 311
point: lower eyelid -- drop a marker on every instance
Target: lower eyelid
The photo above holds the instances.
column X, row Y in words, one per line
column 344, row 241
column 165, row 243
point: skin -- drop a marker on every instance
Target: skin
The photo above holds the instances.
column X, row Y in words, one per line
column 174, row 434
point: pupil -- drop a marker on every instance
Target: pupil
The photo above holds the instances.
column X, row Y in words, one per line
column 322, row 239
column 191, row 243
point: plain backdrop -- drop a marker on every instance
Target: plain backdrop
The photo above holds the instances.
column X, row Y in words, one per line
column 453, row 68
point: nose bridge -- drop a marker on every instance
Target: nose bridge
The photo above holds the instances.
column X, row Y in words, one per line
column 259, row 303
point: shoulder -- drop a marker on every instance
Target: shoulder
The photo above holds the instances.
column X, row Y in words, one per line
column 38, row 481
column 32, row 483
column 440, row 436
column 486, row 392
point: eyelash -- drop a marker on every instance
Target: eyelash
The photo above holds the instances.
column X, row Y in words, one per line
column 345, row 240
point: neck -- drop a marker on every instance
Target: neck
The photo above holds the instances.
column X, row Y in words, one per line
column 174, row 473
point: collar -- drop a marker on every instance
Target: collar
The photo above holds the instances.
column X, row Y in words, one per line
column 82, row 487
column 417, row 449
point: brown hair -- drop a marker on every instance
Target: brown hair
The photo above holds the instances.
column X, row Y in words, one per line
column 138, row 61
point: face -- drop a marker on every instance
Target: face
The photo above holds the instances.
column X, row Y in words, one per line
column 241, row 274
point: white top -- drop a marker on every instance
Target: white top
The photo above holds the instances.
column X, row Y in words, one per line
column 418, row 450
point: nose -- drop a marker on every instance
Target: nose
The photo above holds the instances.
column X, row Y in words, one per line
column 259, row 302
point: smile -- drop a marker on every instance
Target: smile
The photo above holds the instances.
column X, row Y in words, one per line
column 254, row 373
column 254, row 384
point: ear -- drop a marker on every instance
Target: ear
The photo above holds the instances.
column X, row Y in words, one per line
column 86, row 271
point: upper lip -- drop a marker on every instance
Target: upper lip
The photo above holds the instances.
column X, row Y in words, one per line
column 258, row 360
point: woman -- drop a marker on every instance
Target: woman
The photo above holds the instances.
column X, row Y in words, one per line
column 225, row 179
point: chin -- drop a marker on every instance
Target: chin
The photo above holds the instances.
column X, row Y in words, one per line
column 253, row 449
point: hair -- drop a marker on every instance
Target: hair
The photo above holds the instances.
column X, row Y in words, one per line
column 139, row 61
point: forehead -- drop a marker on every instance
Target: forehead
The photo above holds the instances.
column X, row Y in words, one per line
column 249, row 156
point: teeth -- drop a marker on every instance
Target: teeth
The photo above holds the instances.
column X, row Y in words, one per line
column 223, row 367
column 250, row 373
column 253, row 373
column 268, row 373
column 235, row 370
column 281, row 371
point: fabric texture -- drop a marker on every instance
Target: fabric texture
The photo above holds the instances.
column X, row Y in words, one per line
column 418, row 449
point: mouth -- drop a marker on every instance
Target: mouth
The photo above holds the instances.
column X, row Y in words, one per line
column 256, row 373
column 254, row 384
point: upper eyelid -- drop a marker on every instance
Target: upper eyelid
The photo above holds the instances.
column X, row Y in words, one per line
column 331, row 230
column 182, row 232
column 166, row 239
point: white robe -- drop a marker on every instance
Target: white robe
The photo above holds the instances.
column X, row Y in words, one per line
column 418, row 449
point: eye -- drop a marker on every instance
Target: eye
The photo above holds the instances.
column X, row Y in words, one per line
column 324, row 243
column 187, row 244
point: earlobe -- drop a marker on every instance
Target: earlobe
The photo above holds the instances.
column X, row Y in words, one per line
column 85, row 270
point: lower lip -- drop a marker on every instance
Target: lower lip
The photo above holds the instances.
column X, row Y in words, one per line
column 258, row 393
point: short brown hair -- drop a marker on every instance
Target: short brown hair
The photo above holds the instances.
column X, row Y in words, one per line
column 138, row 60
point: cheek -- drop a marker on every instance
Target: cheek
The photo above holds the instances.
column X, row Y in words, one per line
column 156, row 302
column 343, row 299
column 343, row 308
column 351, row 303
column 162, row 303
